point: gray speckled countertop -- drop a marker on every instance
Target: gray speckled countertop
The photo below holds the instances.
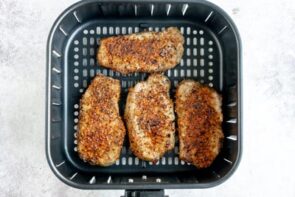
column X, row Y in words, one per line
column 267, row 29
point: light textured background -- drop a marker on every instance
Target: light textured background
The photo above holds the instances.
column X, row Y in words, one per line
column 267, row 29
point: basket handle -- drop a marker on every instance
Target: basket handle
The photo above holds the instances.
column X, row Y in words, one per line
column 144, row 193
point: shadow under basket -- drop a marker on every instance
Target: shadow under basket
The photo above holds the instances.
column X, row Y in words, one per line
column 212, row 56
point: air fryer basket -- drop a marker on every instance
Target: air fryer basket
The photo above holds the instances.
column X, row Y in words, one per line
column 212, row 56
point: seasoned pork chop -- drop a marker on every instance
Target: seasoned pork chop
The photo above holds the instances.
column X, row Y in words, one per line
column 101, row 130
column 198, row 109
column 142, row 52
column 150, row 118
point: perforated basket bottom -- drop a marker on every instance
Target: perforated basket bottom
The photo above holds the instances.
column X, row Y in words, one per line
column 201, row 61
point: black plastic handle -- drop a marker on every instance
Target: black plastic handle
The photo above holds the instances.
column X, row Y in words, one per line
column 144, row 193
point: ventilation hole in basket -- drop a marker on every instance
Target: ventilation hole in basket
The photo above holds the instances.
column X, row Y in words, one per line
column 75, row 142
column 169, row 73
column 111, row 73
column 92, row 62
column 157, row 29
column 175, row 73
column 202, row 62
column 123, row 84
column 195, row 51
column 210, row 70
column 85, row 73
column 76, row 106
column 182, row 30
column 136, row 29
column 188, row 62
column 129, row 30
column 111, row 30
column 195, row 73
column 75, row 128
column 75, row 134
column 81, row 90
column 188, row 73
column 202, row 73
column 195, row 41
column 163, row 161
column 211, row 84
column 176, row 160
column 168, row 8
column 76, row 42
column 162, row 28
column 91, row 51
column 117, row 162
column 210, row 78
column 210, row 42
column 84, row 40
column 117, row 30
column 76, row 49
column 181, row 73
column 84, row 62
column 169, row 160
column 84, row 83
column 188, row 41
column 98, row 41
column 188, row 30
column 76, row 77
column 76, row 85
column 104, row 30
column 188, row 52
column 184, row 9
column 201, row 32
column 76, row 63
column 210, row 49
column 76, row 56
column 181, row 62
column 195, row 62
column 201, row 41
column 105, row 72
column 151, row 163
column 195, row 32
column 91, row 73
column 150, row 28
column 123, row 161
column 123, row 30
column 130, row 161
column 210, row 57
column 76, row 120
column 85, row 31
column 210, row 63
column 202, row 81
column 76, row 113
column 175, row 83
column 136, row 161
column 91, row 41
column 84, row 51
column 76, row 70
column 98, row 30
column 182, row 162
column 202, row 51
column 75, row 149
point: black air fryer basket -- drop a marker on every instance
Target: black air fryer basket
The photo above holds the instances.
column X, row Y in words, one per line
column 212, row 56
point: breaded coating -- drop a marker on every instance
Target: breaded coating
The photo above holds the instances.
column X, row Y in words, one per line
column 101, row 130
column 149, row 116
column 142, row 52
column 198, row 109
